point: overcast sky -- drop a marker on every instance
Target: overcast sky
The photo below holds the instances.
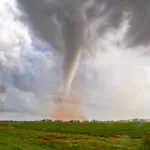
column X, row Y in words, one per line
column 113, row 85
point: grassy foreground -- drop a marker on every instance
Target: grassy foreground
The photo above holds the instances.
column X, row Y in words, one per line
column 75, row 136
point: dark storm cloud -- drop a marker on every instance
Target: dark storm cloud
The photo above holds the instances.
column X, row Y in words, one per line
column 44, row 26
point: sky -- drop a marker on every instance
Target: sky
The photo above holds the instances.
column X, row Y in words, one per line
column 113, row 81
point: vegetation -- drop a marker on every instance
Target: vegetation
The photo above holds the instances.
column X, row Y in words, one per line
column 146, row 141
column 48, row 135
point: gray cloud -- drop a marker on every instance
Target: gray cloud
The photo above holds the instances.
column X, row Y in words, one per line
column 22, row 74
column 44, row 25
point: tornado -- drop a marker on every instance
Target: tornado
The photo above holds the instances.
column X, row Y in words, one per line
column 74, row 34
column 70, row 15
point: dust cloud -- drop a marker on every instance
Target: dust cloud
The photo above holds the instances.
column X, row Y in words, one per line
column 68, row 108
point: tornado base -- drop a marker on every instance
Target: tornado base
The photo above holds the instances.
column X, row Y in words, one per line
column 66, row 109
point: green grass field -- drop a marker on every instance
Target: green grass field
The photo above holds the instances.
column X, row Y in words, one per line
column 75, row 136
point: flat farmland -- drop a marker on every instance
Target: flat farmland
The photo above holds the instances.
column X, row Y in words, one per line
column 48, row 135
